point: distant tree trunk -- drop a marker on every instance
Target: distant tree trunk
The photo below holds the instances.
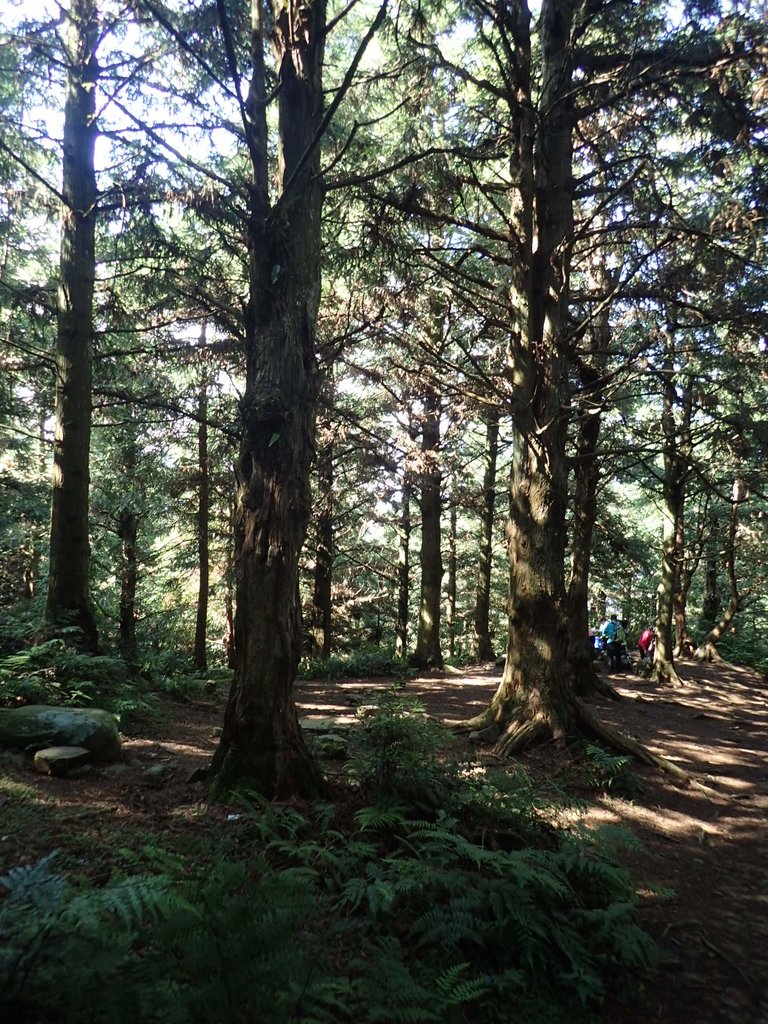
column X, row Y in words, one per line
column 324, row 545
column 450, row 596
column 482, row 645
column 261, row 745
column 203, row 517
column 403, row 567
column 712, row 600
column 68, row 601
column 683, row 562
column 674, row 480
column 586, row 474
column 127, row 531
column 428, row 652
column 707, row 649
column 586, row 477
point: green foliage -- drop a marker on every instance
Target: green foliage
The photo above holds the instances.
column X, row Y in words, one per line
column 746, row 648
column 394, row 754
column 603, row 770
column 394, row 920
column 53, row 672
column 294, row 916
column 366, row 663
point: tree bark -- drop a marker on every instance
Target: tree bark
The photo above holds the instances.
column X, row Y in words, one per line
column 68, row 601
column 428, row 652
column 534, row 697
column 482, row 645
column 450, row 595
column 674, row 477
column 586, row 478
column 403, row 566
column 261, row 746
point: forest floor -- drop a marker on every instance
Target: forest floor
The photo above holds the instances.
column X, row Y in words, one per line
column 707, row 844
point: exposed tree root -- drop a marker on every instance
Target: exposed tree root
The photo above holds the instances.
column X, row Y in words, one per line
column 621, row 742
column 523, row 733
column 480, row 722
column 709, row 653
column 604, row 689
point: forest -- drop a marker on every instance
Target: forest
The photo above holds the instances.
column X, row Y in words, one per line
column 403, row 343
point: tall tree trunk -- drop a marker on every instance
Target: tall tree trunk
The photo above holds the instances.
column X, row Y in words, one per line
column 203, row 517
column 403, row 566
column 683, row 571
column 586, row 474
column 482, row 645
column 673, row 487
column 428, row 652
column 450, row 596
column 324, row 544
column 586, row 477
column 261, row 745
column 534, row 697
column 68, row 599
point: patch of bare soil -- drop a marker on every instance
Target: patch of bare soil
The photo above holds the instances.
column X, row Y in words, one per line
column 708, row 843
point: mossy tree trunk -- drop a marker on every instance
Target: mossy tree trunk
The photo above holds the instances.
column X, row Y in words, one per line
column 535, row 695
column 68, row 601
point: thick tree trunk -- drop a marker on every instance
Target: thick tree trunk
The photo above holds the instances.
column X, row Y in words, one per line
column 482, row 645
column 403, row 567
column 68, row 600
column 203, row 516
column 428, row 652
column 261, row 746
column 535, row 697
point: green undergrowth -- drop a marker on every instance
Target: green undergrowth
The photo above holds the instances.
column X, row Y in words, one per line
column 365, row 663
column 426, row 891
column 57, row 671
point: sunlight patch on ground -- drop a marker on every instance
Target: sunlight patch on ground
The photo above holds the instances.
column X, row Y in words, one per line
column 673, row 825
column 167, row 746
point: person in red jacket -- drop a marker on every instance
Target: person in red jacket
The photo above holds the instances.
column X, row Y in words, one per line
column 646, row 643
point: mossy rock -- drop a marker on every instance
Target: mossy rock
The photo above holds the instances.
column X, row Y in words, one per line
column 37, row 726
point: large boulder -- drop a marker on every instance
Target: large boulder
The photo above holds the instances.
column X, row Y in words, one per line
column 37, row 726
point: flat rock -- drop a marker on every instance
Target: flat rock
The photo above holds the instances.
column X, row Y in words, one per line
column 60, row 760
column 38, row 726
